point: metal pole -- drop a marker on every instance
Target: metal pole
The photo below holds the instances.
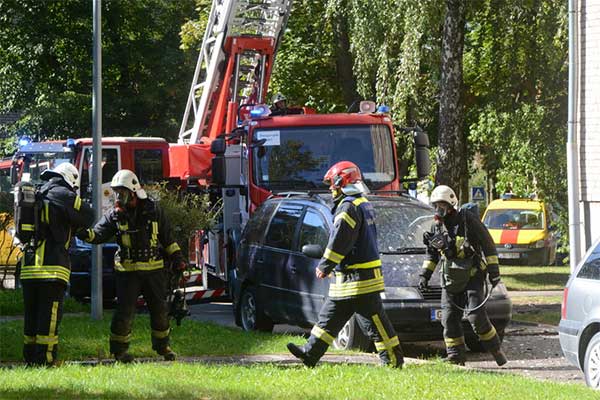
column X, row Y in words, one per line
column 96, row 276
column 572, row 145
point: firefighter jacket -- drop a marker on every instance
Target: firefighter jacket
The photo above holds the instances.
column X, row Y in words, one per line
column 352, row 252
column 478, row 241
column 62, row 213
column 143, row 234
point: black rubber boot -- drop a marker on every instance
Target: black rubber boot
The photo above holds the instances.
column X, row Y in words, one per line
column 124, row 358
column 300, row 352
column 456, row 355
column 500, row 357
column 168, row 354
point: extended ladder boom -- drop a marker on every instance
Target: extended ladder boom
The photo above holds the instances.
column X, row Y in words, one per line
column 249, row 71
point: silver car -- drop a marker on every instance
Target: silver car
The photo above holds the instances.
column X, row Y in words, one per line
column 579, row 328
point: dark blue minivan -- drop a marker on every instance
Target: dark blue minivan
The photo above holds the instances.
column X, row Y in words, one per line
column 275, row 280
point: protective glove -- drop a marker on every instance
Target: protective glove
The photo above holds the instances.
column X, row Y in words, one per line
column 179, row 265
column 423, row 282
column 427, row 237
column 82, row 234
column 493, row 274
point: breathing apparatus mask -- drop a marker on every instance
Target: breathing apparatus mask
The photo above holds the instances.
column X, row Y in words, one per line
column 122, row 197
column 442, row 210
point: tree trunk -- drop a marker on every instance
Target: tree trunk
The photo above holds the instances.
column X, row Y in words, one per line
column 451, row 157
column 344, row 62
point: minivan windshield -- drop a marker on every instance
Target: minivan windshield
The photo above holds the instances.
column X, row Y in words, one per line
column 512, row 219
column 299, row 157
column 400, row 227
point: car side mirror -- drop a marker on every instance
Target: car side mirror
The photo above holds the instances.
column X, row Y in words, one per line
column 312, row 250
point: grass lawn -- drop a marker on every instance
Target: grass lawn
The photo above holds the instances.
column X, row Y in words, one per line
column 83, row 338
column 534, row 278
column 273, row 381
column 11, row 303
column 539, row 317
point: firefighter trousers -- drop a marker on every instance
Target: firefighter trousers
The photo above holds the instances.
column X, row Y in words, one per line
column 43, row 301
column 129, row 286
column 452, row 317
column 372, row 320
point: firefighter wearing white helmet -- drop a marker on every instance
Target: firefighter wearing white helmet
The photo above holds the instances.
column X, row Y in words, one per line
column 145, row 239
column 279, row 106
column 456, row 241
column 45, row 265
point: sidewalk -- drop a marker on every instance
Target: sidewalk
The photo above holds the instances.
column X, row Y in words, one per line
column 534, row 293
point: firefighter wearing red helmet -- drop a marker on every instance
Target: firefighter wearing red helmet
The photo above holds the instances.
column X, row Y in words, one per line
column 456, row 241
column 353, row 257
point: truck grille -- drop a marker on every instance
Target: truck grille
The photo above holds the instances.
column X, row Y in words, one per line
column 432, row 293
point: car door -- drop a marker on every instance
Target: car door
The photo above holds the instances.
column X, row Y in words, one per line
column 273, row 259
column 309, row 291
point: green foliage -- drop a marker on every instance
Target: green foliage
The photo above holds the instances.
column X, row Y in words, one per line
column 187, row 212
column 534, row 278
column 46, row 66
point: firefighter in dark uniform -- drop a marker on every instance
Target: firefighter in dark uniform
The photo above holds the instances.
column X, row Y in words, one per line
column 45, row 265
column 458, row 238
column 353, row 257
column 145, row 239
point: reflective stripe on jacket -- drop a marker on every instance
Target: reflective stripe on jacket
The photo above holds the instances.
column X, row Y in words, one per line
column 352, row 251
column 63, row 212
column 144, row 237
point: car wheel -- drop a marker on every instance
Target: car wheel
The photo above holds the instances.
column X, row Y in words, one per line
column 352, row 337
column 251, row 313
column 473, row 343
column 591, row 363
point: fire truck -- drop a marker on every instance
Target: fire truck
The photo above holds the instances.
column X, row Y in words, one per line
column 230, row 144
column 147, row 156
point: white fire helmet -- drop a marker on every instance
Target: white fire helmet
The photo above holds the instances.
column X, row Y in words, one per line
column 65, row 170
column 127, row 179
column 443, row 193
column 278, row 97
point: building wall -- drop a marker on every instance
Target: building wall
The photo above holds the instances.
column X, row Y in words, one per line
column 589, row 117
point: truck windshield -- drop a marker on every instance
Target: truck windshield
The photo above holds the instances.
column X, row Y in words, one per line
column 298, row 158
column 36, row 163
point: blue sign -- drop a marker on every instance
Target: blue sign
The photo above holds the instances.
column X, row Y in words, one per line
column 477, row 193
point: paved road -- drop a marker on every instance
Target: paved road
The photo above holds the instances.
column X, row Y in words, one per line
column 533, row 351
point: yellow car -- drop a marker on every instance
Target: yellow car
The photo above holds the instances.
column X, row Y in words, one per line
column 9, row 253
column 520, row 229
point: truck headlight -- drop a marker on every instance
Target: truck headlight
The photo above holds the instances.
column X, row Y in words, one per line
column 538, row 245
column 401, row 293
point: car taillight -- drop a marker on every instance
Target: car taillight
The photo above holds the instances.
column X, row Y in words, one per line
column 563, row 306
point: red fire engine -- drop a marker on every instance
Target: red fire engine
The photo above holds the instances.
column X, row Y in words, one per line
column 230, row 143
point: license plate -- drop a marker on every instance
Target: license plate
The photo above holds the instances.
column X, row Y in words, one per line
column 509, row 255
column 436, row 315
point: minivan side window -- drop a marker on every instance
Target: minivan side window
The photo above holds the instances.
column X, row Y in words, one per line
column 314, row 229
column 255, row 226
column 591, row 268
column 283, row 226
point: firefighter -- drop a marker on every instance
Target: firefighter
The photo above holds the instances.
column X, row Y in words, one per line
column 458, row 239
column 144, row 237
column 45, row 265
column 353, row 257
column 279, row 106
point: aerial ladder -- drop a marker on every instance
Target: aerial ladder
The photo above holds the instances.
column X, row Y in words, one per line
column 234, row 65
column 233, row 70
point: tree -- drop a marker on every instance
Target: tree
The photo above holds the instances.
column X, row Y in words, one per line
column 46, row 66
column 451, row 167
